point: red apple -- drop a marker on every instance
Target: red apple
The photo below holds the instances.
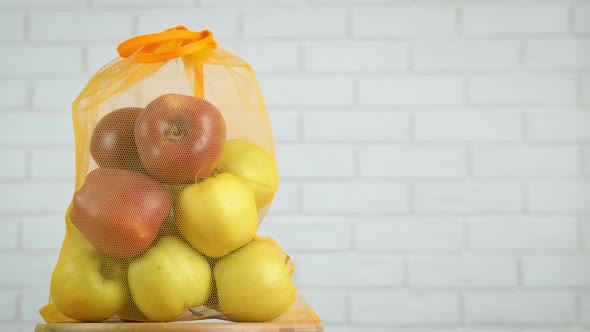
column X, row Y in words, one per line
column 119, row 211
column 179, row 138
column 113, row 143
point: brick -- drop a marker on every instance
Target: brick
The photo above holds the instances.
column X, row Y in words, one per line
column 26, row 326
column 512, row 20
column 9, row 234
column 508, row 308
column 27, row 3
column 49, row 26
column 53, row 163
column 476, row 56
column 56, row 60
column 252, row 2
column 559, row 196
column 468, row 197
column 388, row 22
column 31, row 302
column 139, row 3
column 560, row 126
column 285, row 126
column 355, row 56
column 303, row 91
column 12, row 27
column 354, row 197
column 15, row 94
column 315, row 162
column 556, row 271
column 404, row 308
column 57, row 93
column 295, row 22
column 222, row 22
column 522, row 234
column 360, row 328
column 348, row 271
column 586, row 234
column 530, row 89
column 408, row 236
column 27, row 270
column 412, row 162
column 582, row 18
column 585, row 304
column 268, row 57
column 355, row 127
column 38, row 197
column 8, row 301
column 525, row 162
column 47, row 129
column 462, row 271
column 286, row 199
column 557, row 53
column 43, row 233
column 466, row 126
column 410, row 91
column 99, row 56
column 331, row 306
column 309, row 236
column 14, row 165
column 586, row 90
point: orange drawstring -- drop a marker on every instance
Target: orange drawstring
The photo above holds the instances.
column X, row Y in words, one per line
column 145, row 46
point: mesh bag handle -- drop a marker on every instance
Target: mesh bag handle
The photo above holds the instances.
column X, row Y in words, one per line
column 147, row 47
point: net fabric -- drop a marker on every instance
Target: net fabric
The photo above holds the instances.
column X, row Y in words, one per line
column 175, row 170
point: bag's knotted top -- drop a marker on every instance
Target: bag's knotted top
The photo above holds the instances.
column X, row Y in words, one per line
column 179, row 41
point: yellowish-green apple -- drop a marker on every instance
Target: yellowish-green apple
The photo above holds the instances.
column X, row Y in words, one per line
column 254, row 165
column 169, row 279
column 88, row 286
column 253, row 283
column 218, row 215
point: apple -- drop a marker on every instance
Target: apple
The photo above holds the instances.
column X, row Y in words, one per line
column 119, row 211
column 113, row 142
column 254, row 165
column 253, row 283
column 87, row 286
column 218, row 215
column 179, row 138
column 170, row 278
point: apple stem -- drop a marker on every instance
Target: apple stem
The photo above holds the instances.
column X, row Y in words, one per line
column 216, row 171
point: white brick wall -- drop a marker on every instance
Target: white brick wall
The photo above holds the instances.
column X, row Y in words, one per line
column 533, row 307
column 434, row 155
column 467, row 127
column 533, row 89
column 395, row 22
column 384, row 236
column 419, row 90
column 555, row 271
column 76, row 26
column 348, row 271
column 404, row 308
column 468, row 197
column 462, row 271
column 477, row 56
column 524, row 234
column 526, row 162
column 511, row 19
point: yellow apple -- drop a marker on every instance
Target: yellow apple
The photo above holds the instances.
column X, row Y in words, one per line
column 218, row 215
column 87, row 286
column 253, row 283
column 169, row 279
column 254, row 165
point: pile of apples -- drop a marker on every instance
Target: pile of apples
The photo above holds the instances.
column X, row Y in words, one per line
column 168, row 221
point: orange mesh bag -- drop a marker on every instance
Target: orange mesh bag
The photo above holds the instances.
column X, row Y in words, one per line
column 175, row 170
